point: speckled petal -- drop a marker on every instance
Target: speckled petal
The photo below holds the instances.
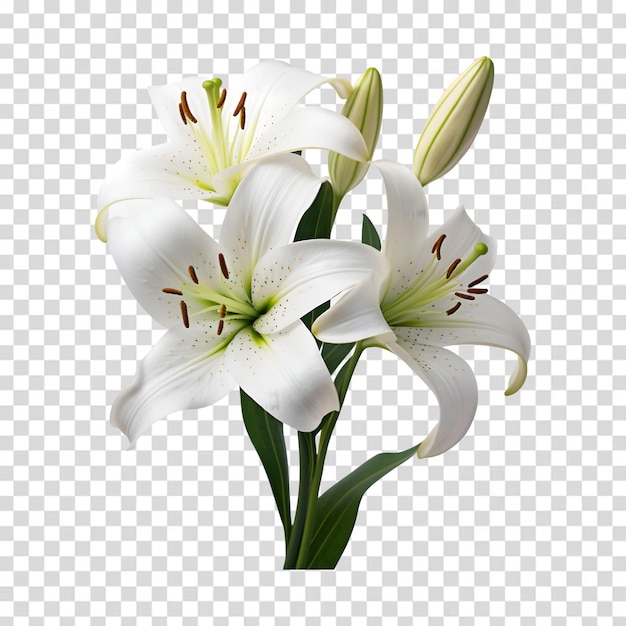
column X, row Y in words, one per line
column 285, row 374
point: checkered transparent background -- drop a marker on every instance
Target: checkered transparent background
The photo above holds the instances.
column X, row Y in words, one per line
column 522, row 523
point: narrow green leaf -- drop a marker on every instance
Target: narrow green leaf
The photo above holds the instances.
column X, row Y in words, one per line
column 337, row 508
column 369, row 234
column 333, row 354
column 266, row 434
column 317, row 221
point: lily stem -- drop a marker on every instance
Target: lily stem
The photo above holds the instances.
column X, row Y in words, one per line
column 342, row 382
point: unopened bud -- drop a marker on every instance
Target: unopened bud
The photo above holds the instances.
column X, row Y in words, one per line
column 364, row 108
column 454, row 122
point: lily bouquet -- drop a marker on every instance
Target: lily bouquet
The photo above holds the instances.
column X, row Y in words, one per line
column 277, row 307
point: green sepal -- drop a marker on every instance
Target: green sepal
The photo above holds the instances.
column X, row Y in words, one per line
column 337, row 508
column 369, row 234
column 266, row 434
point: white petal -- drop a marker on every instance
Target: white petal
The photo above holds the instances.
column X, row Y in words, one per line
column 266, row 209
column 285, row 374
column 485, row 321
column 153, row 242
column 290, row 281
column 311, row 127
column 184, row 370
column 354, row 316
column 274, row 88
column 177, row 171
column 454, row 385
column 407, row 217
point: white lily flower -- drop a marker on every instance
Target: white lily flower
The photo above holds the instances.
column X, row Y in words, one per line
column 433, row 296
column 233, row 308
column 215, row 135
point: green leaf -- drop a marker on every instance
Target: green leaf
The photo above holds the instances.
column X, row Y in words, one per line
column 369, row 234
column 334, row 353
column 317, row 221
column 266, row 434
column 337, row 508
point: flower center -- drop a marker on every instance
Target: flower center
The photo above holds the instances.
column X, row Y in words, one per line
column 222, row 305
column 432, row 285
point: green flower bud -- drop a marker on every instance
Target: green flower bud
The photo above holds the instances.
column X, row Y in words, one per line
column 364, row 108
column 454, row 122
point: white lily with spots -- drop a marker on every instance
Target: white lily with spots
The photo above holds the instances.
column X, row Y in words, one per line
column 433, row 296
column 233, row 308
column 216, row 134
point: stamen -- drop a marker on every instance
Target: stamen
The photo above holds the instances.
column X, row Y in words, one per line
column 452, row 268
column 478, row 280
column 477, row 290
column 190, row 116
column 192, row 273
column 174, row 292
column 183, row 312
column 220, row 102
column 240, row 104
column 220, row 327
column 223, row 311
column 464, row 296
column 242, row 118
column 455, row 308
column 223, row 267
column 437, row 247
column 182, row 113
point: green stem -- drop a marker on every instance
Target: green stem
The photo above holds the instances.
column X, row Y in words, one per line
column 306, row 444
column 342, row 381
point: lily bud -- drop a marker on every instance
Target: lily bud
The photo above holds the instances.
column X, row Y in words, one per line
column 454, row 122
column 364, row 108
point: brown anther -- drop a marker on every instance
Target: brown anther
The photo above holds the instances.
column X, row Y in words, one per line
column 478, row 280
column 183, row 101
column 220, row 102
column 223, row 266
column 240, row 104
column 220, row 327
column 183, row 312
column 174, row 292
column 454, row 309
column 477, row 291
column 182, row 113
column 437, row 246
column 223, row 311
column 452, row 267
column 242, row 118
column 464, row 296
column 192, row 273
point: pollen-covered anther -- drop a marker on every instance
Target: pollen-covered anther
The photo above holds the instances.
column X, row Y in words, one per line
column 220, row 327
column 242, row 118
column 185, row 107
column 223, row 266
column 220, row 102
column 452, row 267
column 192, row 274
column 174, row 292
column 182, row 113
column 478, row 291
column 437, row 247
column 223, row 311
column 465, row 296
column 240, row 104
column 454, row 309
column 478, row 280
column 184, row 314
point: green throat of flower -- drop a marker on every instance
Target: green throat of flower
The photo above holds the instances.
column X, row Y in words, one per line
column 417, row 304
column 223, row 305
